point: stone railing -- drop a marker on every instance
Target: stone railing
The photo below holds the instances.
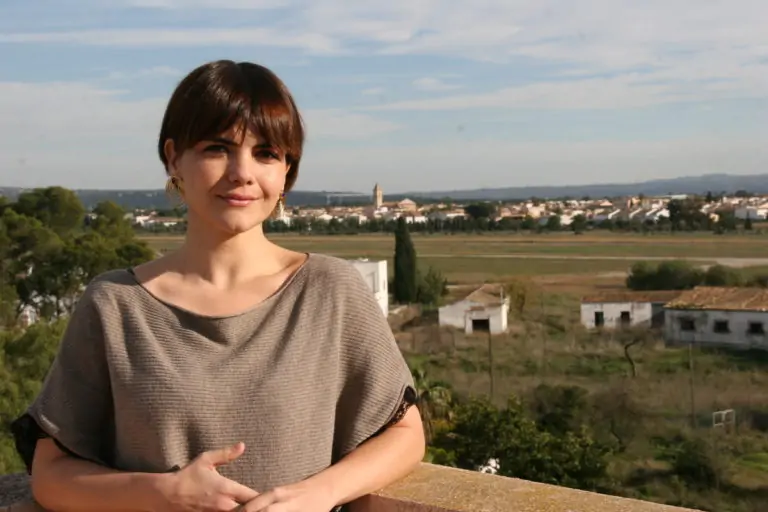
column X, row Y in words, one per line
column 439, row 489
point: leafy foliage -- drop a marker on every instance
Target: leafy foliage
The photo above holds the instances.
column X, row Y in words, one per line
column 682, row 275
column 482, row 432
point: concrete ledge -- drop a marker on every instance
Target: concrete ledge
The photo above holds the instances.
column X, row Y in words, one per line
column 440, row 489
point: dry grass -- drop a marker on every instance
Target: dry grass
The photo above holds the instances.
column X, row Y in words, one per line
column 566, row 258
column 605, row 244
column 546, row 345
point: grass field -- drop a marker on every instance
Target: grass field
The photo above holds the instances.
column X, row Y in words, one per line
column 546, row 345
column 496, row 257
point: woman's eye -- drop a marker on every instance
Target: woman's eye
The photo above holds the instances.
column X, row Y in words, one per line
column 216, row 148
column 267, row 154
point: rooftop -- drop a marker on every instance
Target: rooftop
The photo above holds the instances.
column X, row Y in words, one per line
column 487, row 294
column 722, row 299
column 656, row 296
column 441, row 489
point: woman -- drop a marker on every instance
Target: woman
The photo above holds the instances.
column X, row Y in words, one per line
column 232, row 373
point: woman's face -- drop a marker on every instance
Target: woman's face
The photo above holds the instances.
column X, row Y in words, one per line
column 231, row 183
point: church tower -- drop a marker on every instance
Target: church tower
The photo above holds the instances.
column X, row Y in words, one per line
column 378, row 197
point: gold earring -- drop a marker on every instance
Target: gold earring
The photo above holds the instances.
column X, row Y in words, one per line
column 173, row 190
column 279, row 210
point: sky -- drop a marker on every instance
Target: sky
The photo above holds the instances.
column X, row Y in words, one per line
column 412, row 94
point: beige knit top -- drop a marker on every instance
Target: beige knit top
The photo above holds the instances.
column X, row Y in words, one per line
column 303, row 378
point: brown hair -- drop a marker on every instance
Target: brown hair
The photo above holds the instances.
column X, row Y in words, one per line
column 219, row 95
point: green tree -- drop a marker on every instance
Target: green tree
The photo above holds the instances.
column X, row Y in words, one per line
column 480, row 210
column 553, row 223
column 435, row 402
column 111, row 222
column 405, row 283
column 559, row 409
column 57, row 208
column 25, row 356
column 579, row 224
column 482, row 432
column 721, row 275
column 667, row 275
column 431, row 287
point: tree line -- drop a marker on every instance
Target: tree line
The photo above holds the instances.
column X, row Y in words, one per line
column 683, row 275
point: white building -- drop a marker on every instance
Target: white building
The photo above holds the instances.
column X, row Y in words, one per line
column 485, row 309
column 714, row 316
column 625, row 309
column 751, row 212
column 375, row 274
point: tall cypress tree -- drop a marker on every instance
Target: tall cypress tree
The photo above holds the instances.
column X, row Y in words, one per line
column 405, row 286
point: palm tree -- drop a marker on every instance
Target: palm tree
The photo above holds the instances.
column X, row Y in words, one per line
column 434, row 399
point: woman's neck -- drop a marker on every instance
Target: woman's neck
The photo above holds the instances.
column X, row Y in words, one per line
column 224, row 260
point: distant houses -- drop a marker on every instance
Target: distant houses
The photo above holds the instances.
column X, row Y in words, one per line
column 714, row 316
column 625, row 309
column 735, row 317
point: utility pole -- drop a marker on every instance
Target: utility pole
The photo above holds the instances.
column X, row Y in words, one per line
column 490, row 362
column 690, row 384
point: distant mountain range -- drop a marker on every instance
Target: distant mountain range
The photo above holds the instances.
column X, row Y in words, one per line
column 716, row 183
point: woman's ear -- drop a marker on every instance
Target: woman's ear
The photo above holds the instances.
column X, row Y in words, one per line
column 169, row 149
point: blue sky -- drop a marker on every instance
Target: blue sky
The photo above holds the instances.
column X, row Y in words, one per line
column 413, row 94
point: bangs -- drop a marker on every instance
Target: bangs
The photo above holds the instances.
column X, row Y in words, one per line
column 223, row 95
column 267, row 116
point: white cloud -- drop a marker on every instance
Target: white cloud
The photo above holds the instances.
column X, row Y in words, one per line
column 209, row 4
column 313, row 42
column 337, row 124
column 155, row 71
column 81, row 135
column 433, row 85
column 624, row 91
column 686, row 42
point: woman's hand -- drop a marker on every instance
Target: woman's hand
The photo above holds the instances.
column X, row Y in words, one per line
column 301, row 497
column 198, row 487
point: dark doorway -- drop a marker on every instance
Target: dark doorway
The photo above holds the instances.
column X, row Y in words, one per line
column 599, row 319
column 481, row 325
column 625, row 319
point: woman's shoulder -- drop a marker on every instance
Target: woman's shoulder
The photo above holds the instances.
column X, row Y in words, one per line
column 334, row 273
column 110, row 285
column 342, row 283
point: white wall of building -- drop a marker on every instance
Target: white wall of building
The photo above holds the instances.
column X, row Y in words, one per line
column 375, row 275
column 460, row 315
column 640, row 313
column 741, row 328
column 752, row 212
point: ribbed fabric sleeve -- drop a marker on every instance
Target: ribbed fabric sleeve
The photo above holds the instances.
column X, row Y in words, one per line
column 75, row 404
column 377, row 376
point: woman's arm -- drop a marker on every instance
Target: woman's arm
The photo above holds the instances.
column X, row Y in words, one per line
column 62, row 483
column 376, row 463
